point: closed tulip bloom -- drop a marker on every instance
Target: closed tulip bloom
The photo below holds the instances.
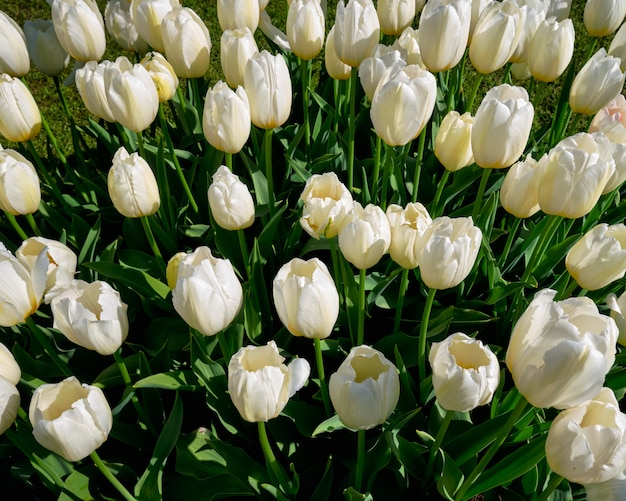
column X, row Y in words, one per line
column 20, row 119
column 402, row 106
column 148, row 16
column 92, row 89
column 268, row 85
column 379, row 68
column 574, row 174
column 20, row 192
column 327, row 205
column 226, row 118
column 70, row 419
column 230, row 201
column 14, row 58
column 163, row 75
column 502, row 126
column 477, row 9
column 187, row 42
column 466, row 373
column 335, row 67
column 395, row 15
column 171, row 271
column 444, row 31
column 534, row 15
column 551, row 49
column 617, row 306
column 453, row 142
column 560, row 351
column 233, row 14
column 519, row 194
column 120, row 25
column 61, row 260
column 365, row 389
column 208, row 294
column 408, row 226
column 91, row 315
column 603, row 17
column 237, row 46
column 132, row 186
column 306, row 298
column 598, row 81
column 44, row 48
column 79, row 27
column 599, row 257
column 496, row 36
column 559, row 9
column 409, row 41
column 9, row 404
column 587, row 443
column 306, row 28
column 9, row 369
column 131, row 94
column 613, row 489
column 260, row 384
column 618, row 46
column 357, row 31
column 366, row 238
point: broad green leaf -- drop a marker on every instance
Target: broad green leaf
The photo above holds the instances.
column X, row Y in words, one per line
column 184, row 380
column 76, row 486
column 329, row 425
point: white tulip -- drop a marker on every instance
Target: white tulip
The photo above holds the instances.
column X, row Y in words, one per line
column 230, row 201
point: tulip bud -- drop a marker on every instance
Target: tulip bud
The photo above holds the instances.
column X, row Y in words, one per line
column 366, row 238
column 574, row 174
column 9, row 404
column 162, row 74
column 14, row 58
column 502, row 126
column 207, row 295
column 335, row 67
column 131, row 94
column 91, row 315
column 453, row 145
column 132, row 186
column 551, row 49
column 613, row 489
column 79, row 27
column 306, row 28
column 379, row 68
column 395, row 15
column 560, row 351
column 21, row 287
column 408, row 226
column 496, row 35
column 534, row 15
column 402, row 106
column 9, row 369
column 70, row 419
column 599, row 257
column 466, row 373
column 171, row 272
column 598, row 81
column 268, row 85
column 327, row 204
column 306, row 298
column 236, row 48
column 187, row 42
column 20, row 119
column 260, row 384
column 477, row 9
column 365, row 389
column 120, row 25
column 444, row 31
column 20, row 192
column 232, row 14
column 61, row 259
column 618, row 314
column 230, row 201
column 587, row 443
column 44, row 48
column 519, row 194
column 409, row 41
column 450, row 249
column 91, row 87
column 148, row 16
column 603, row 17
column 618, row 47
column 226, row 118
column 357, row 31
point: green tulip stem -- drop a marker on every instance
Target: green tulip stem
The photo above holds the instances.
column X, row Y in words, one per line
column 16, row 226
column 245, row 254
column 390, row 161
column 376, row 171
column 509, row 241
column 33, row 224
column 404, row 285
column 140, row 145
column 41, row 168
column 320, row 373
column 153, row 245
column 360, row 459
column 66, row 109
column 544, row 240
column 441, row 433
column 179, row 170
column 42, row 339
column 418, row 164
column 110, row 477
column 336, row 108
column 500, row 438
column 273, row 467
column 55, row 143
column 267, row 150
column 421, row 355
column 480, row 194
column 224, row 346
column 228, row 160
column 360, row 337
column 440, row 186
column 305, row 76
column 470, row 101
column 352, row 127
column 555, row 481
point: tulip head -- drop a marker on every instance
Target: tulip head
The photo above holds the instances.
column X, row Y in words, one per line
column 163, row 75
column 408, row 226
column 551, row 49
column 232, row 14
column 603, row 17
column 90, row 82
column 519, row 194
column 453, row 143
column 617, row 306
column 226, row 118
column 366, row 238
column 147, row 16
column 306, row 28
column 260, row 384
column 9, row 369
column 14, row 59
column 187, row 42
column 20, row 119
column 120, row 25
column 335, row 67
column 230, row 201
column 9, row 404
column 618, row 46
column 44, row 48
column 79, row 27
column 20, row 191
column 237, row 46
column 61, row 260
column 395, row 15
column 357, row 31
column 379, row 68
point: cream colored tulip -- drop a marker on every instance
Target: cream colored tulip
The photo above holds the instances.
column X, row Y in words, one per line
column 232, row 14
column 44, row 48
column 9, row 369
column 14, row 58
column 559, row 9
column 477, row 9
column 617, row 307
column 61, row 260
column 163, row 75
column 230, row 201
column 357, row 31
column 408, row 226
column 618, row 46
column 409, row 41
column 379, row 68
column 366, row 237
column 79, row 27
column 119, row 23
column 237, row 46
column 171, row 271
column 453, row 142
column 534, row 14
column 20, row 119
column 603, row 17
column 226, row 118
column 20, row 191
column 306, row 28
column 395, row 15
column 148, row 16
column 90, row 82
column 335, row 67
column 9, row 404
column 551, row 49
column 187, row 42
column 519, row 194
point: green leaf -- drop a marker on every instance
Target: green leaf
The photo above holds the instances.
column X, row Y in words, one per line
column 351, row 494
column 451, row 477
column 329, row 425
column 76, row 486
column 176, row 380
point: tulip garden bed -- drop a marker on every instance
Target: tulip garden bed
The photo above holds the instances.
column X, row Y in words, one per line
column 286, row 262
